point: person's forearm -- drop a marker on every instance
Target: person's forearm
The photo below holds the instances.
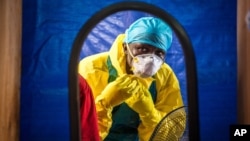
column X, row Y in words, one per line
column 151, row 118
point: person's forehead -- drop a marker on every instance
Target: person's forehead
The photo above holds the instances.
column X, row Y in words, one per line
column 141, row 45
column 136, row 45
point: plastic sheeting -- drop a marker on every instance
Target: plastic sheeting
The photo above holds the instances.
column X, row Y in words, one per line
column 49, row 30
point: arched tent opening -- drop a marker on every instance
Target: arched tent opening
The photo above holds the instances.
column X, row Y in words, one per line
column 190, row 64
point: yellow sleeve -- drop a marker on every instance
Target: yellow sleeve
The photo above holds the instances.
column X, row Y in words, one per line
column 104, row 120
column 168, row 98
column 169, row 94
column 93, row 69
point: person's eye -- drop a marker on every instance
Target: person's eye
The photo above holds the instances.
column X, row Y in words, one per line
column 160, row 54
column 142, row 49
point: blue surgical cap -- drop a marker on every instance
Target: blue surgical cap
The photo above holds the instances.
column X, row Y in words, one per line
column 150, row 30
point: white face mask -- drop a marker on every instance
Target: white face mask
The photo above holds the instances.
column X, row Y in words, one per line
column 145, row 65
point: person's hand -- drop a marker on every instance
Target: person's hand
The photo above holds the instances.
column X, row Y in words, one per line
column 141, row 102
column 118, row 91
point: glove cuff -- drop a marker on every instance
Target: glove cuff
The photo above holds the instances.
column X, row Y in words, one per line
column 150, row 118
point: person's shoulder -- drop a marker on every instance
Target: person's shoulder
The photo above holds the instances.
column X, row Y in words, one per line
column 94, row 61
column 165, row 71
column 166, row 67
column 94, row 57
column 165, row 75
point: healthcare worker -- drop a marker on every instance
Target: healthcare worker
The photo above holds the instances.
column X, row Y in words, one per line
column 132, row 86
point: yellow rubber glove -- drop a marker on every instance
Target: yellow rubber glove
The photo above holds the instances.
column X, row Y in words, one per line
column 113, row 94
column 143, row 104
column 118, row 91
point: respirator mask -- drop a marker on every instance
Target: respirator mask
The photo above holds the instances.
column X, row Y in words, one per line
column 145, row 65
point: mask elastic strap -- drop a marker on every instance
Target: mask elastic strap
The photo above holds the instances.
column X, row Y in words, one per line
column 132, row 68
column 129, row 50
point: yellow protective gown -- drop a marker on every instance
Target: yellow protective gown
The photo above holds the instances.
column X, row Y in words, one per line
column 94, row 69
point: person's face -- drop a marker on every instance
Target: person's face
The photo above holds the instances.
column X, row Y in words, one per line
column 139, row 48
